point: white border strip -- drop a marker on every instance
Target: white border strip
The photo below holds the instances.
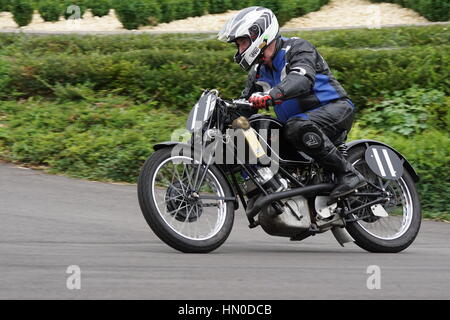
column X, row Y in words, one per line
column 380, row 165
column 389, row 163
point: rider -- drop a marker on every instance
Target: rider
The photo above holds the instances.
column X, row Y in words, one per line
column 291, row 75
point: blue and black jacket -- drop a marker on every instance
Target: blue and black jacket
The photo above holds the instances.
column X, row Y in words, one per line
column 300, row 80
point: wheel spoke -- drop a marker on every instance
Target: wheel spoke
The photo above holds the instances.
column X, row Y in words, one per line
column 188, row 175
column 176, row 210
column 164, row 201
column 186, row 219
column 179, row 180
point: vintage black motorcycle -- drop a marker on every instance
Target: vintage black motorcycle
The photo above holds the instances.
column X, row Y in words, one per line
column 188, row 192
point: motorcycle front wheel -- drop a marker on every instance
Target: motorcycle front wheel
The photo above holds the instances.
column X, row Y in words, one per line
column 394, row 232
column 188, row 217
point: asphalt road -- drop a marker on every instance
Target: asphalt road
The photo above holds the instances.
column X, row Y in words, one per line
column 48, row 223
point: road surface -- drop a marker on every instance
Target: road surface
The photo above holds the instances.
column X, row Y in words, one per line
column 50, row 222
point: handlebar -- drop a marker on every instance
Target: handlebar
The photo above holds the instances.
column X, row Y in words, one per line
column 243, row 103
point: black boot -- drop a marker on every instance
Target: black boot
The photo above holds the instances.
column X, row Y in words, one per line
column 347, row 177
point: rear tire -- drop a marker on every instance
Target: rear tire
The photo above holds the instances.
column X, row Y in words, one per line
column 360, row 230
column 158, row 224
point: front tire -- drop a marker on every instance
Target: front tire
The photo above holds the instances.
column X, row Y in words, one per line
column 181, row 208
column 390, row 234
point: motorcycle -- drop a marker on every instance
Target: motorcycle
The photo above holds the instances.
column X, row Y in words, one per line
column 188, row 191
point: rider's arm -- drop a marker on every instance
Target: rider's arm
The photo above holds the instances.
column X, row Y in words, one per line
column 301, row 59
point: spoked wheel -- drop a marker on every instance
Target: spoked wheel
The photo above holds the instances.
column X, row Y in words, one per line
column 187, row 216
column 401, row 217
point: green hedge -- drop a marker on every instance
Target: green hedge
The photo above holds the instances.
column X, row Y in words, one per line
column 106, row 140
column 433, row 10
column 165, row 72
column 12, row 44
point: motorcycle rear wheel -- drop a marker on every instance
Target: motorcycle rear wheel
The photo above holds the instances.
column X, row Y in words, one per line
column 390, row 234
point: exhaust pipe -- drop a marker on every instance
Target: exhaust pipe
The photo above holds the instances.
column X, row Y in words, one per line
column 302, row 191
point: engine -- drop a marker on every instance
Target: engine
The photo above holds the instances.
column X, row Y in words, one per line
column 295, row 215
column 294, row 220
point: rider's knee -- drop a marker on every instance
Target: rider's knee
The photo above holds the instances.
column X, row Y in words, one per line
column 304, row 134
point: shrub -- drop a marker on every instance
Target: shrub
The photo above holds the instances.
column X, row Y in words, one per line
column 108, row 61
column 433, row 10
column 181, row 9
column 241, row 4
column 363, row 73
column 303, row 7
column 168, row 10
column 4, row 5
column 283, row 9
column 135, row 13
column 99, row 8
column 407, row 112
column 200, row 7
column 378, row 38
column 50, row 10
column 108, row 139
column 22, row 11
column 4, row 76
column 390, row 38
column 219, row 6
column 366, row 73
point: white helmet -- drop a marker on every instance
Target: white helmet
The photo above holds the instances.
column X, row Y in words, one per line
column 259, row 24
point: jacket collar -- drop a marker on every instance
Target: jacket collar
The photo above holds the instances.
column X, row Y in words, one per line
column 278, row 47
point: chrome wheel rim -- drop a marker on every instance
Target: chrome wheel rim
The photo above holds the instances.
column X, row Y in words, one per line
column 200, row 219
